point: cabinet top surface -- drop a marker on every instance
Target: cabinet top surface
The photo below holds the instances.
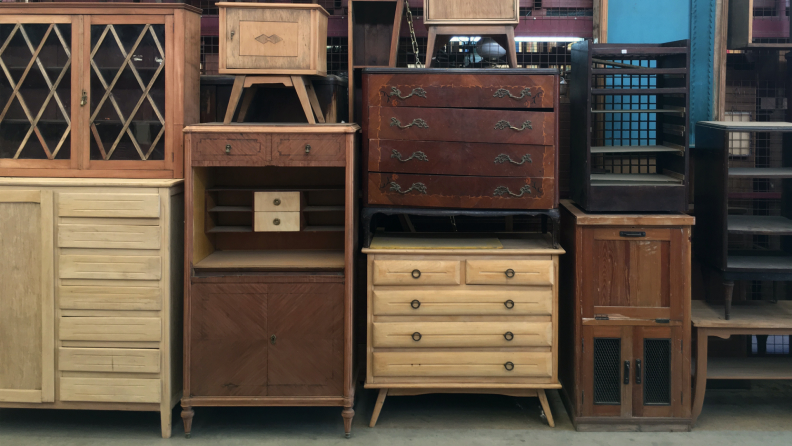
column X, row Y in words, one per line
column 272, row 128
column 748, row 126
column 528, row 244
column 319, row 8
column 485, row 71
column 582, row 218
column 102, row 8
column 756, row 314
column 88, row 182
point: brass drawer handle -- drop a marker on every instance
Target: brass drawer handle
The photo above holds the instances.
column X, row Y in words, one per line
column 502, row 93
column 503, row 125
column 509, row 273
column 307, row 148
column 273, row 338
column 420, row 187
column 415, row 304
column 509, row 304
column 416, row 92
column 509, row 366
column 416, row 336
column 418, row 122
column 232, row 34
column 420, row 156
column 503, row 190
column 508, row 336
column 83, row 99
column 503, row 158
column 416, row 274
column 228, row 149
column 276, row 222
column 276, row 202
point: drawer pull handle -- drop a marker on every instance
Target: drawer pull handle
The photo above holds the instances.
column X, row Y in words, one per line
column 420, row 156
column 415, row 304
column 503, row 190
column 503, row 125
column 83, row 99
column 418, row 122
column 503, row 93
column 416, row 336
column 232, row 35
column 509, row 304
column 509, row 366
column 276, row 202
column 416, row 274
column 503, row 158
column 420, row 187
column 508, row 336
column 307, row 148
column 416, row 92
column 632, row 234
column 276, row 222
column 510, row 273
column 273, row 338
column 228, row 149
column 637, row 371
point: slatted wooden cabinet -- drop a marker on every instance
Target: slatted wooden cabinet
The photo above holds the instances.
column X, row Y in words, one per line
column 99, row 90
column 90, row 294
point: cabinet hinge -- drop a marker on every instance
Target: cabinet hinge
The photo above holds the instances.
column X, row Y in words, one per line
column 601, row 317
column 662, row 321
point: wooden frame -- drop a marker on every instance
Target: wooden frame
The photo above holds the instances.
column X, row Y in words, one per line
column 740, row 27
column 435, row 12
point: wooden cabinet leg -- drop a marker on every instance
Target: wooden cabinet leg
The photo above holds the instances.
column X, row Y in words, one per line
column 317, row 108
column 166, row 420
column 302, row 93
column 546, row 407
column 246, row 101
column 430, row 47
column 383, row 393
column 348, row 413
column 236, row 94
column 511, row 48
column 701, row 373
column 187, row 415
column 728, row 292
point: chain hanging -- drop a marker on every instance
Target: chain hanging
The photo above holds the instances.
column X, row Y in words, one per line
column 412, row 33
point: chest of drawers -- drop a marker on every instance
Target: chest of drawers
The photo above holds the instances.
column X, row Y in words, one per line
column 484, row 139
column 467, row 316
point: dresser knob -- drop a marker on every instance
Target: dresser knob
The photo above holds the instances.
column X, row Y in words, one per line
column 415, row 304
column 276, row 222
column 508, row 336
column 276, row 202
column 416, row 274
column 509, row 304
column 273, row 338
column 307, row 148
column 228, row 149
column 416, row 336
column 509, row 273
column 509, row 366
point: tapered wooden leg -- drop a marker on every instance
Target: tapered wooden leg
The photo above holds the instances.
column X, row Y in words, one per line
column 302, row 93
column 348, row 413
column 546, row 407
column 166, row 420
column 236, row 94
column 701, row 373
column 430, row 46
column 187, row 415
column 728, row 292
column 511, row 47
column 314, row 101
column 246, row 101
column 383, row 393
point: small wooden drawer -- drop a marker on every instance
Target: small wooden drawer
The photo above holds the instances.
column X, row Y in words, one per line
column 462, row 334
column 278, row 201
column 297, row 149
column 109, row 236
column 466, row 12
column 111, row 329
column 111, row 390
column 416, row 272
column 230, row 147
column 278, row 222
column 120, row 360
column 463, row 364
column 509, row 272
column 111, row 296
column 110, row 205
column 110, row 267
column 533, row 301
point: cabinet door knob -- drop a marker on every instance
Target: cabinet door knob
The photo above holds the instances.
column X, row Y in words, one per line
column 307, row 148
column 416, row 336
column 228, row 149
column 276, row 222
column 415, row 304
column 509, row 273
column 509, row 304
column 637, row 371
column 416, row 274
column 509, row 366
column 276, row 202
column 508, row 336
column 232, row 35
column 273, row 338
column 83, row 99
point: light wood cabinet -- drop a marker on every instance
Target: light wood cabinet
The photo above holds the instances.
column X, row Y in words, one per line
column 90, row 294
column 471, row 12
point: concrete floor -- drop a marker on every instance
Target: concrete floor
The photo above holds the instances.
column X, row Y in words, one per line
column 761, row 416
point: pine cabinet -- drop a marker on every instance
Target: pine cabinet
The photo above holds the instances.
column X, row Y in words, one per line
column 97, row 90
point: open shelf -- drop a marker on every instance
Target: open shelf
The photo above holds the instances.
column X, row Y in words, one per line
column 323, row 229
column 760, row 263
column 655, row 110
column 275, row 189
column 637, row 91
column 759, row 224
column 638, row 179
column 218, row 229
column 749, row 368
column 759, row 172
column 635, row 149
column 293, row 260
column 231, row 209
column 323, row 209
column 638, row 71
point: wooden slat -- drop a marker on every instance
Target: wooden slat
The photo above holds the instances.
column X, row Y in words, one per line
column 758, row 315
column 109, row 236
column 109, row 360
column 749, row 368
column 634, row 149
column 116, row 267
column 633, row 177
column 759, row 224
column 120, row 329
column 273, row 260
column 110, row 390
column 108, row 205
column 20, row 396
column 777, row 172
column 110, row 295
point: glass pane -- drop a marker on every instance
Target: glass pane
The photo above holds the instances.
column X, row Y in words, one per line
column 127, row 92
column 35, row 119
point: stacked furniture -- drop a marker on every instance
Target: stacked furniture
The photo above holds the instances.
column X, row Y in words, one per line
column 91, row 257
column 630, row 131
column 625, row 320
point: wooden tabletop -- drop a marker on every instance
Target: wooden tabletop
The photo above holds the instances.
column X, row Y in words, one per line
column 522, row 244
column 88, row 182
column 583, row 218
column 756, row 314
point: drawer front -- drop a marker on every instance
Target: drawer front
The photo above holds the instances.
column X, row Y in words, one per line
column 462, row 90
column 110, row 390
column 109, row 236
column 462, row 334
column 534, row 301
column 230, row 148
column 277, row 222
column 462, row 125
column 110, row 267
column 416, row 272
column 277, row 201
column 301, row 150
column 460, row 158
column 509, row 272
column 111, row 329
column 137, row 295
column 463, row 364
column 109, row 205
column 109, row 360
column 455, row 12
column 393, row 189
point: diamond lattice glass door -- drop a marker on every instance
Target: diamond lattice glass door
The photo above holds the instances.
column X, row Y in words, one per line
column 127, row 92
column 35, row 91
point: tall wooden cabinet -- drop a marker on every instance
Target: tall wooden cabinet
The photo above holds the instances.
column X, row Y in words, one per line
column 625, row 320
column 90, row 294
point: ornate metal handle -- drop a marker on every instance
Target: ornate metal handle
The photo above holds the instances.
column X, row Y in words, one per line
column 416, row 274
column 307, row 148
column 502, row 93
column 416, row 336
column 509, row 366
column 273, row 338
column 276, row 202
column 508, row 336
column 509, row 273
column 415, row 304
column 416, row 92
column 503, row 190
column 503, row 158
column 509, row 304
column 420, row 156
column 418, row 122
column 276, row 222
column 420, row 187
column 83, row 99
column 503, row 125
column 228, row 149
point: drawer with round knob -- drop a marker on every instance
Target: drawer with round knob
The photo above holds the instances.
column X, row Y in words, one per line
column 463, row 364
column 416, row 272
column 468, row 301
column 421, row 334
column 278, row 222
column 229, row 149
column 305, row 149
column 509, row 272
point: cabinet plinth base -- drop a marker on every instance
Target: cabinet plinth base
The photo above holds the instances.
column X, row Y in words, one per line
column 599, row 424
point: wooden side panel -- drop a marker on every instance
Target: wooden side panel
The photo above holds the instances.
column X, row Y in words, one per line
column 108, row 205
column 464, row 364
column 117, row 267
column 110, row 295
column 528, row 301
column 416, row 272
column 110, row 390
column 117, row 329
column 109, row 236
column 417, row 334
column 509, row 272
column 109, row 360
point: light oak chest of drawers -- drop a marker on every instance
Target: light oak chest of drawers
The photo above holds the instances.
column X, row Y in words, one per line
column 462, row 316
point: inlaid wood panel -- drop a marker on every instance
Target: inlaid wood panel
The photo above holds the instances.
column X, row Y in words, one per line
column 109, row 360
column 535, row 301
column 416, row 272
column 463, row 364
column 296, row 148
column 116, row 329
column 120, row 267
column 509, row 272
column 421, row 334
column 109, row 236
column 229, row 147
column 109, row 295
column 110, row 390
column 108, row 205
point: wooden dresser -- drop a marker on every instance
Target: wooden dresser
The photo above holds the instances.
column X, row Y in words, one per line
column 454, row 315
column 270, row 249
column 484, row 139
column 90, row 294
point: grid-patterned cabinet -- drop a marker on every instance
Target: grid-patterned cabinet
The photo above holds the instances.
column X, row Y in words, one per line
column 90, row 294
column 97, row 90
